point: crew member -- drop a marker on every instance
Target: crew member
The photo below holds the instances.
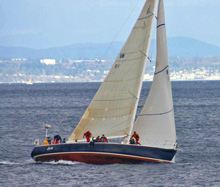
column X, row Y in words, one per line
column 104, row 139
column 46, row 142
column 98, row 139
column 132, row 140
column 55, row 141
column 87, row 134
column 136, row 136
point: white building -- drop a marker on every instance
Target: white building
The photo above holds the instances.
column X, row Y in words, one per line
column 48, row 61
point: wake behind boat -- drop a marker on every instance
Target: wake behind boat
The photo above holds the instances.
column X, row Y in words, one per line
column 113, row 109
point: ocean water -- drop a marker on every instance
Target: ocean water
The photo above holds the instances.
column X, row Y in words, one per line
column 25, row 108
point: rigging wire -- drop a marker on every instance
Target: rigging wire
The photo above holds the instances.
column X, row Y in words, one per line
column 116, row 36
column 122, row 26
column 150, row 58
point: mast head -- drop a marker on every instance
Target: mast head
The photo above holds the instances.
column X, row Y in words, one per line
column 47, row 126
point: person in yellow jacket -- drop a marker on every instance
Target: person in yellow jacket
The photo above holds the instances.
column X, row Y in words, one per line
column 46, row 142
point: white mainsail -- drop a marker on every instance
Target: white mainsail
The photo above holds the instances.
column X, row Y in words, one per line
column 155, row 124
column 113, row 109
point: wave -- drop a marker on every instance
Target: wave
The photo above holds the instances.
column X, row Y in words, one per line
column 61, row 162
column 30, row 161
column 8, row 163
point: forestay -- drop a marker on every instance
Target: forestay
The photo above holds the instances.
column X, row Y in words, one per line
column 113, row 108
column 155, row 124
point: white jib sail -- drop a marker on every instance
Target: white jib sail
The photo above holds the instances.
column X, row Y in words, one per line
column 113, row 108
column 155, row 124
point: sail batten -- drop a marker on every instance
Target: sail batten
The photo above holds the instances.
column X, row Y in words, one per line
column 163, row 24
column 131, row 59
column 163, row 113
column 146, row 17
column 161, row 70
column 121, row 87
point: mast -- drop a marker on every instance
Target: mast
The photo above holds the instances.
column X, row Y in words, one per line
column 113, row 109
column 153, row 12
column 155, row 124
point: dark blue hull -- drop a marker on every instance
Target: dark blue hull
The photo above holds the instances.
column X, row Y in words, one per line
column 102, row 153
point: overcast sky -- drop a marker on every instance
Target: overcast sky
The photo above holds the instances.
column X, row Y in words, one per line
column 51, row 23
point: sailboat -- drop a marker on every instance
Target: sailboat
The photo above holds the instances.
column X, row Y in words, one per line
column 29, row 81
column 112, row 111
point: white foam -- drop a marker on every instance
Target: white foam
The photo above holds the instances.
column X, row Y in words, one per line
column 62, row 162
column 8, row 163
column 30, row 161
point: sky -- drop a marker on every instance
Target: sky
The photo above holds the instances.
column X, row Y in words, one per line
column 55, row 23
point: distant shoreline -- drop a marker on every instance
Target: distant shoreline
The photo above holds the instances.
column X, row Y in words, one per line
column 101, row 82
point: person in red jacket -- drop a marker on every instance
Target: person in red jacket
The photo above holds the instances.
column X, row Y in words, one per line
column 136, row 136
column 57, row 139
column 98, row 139
column 87, row 134
column 104, row 139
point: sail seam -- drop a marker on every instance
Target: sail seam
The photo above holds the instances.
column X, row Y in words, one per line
column 129, row 59
column 120, row 124
column 116, row 99
column 161, row 70
column 160, row 25
column 109, row 117
column 145, row 17
column 157, row 113
column 126, row 107
column 122, row 80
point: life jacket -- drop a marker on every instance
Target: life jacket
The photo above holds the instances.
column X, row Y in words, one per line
column 88, row 134
column 104, row 139
column 136, row 136
column 132, row 140
column 98, row 139
column 46, row 142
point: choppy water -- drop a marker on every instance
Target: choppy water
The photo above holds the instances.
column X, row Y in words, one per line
column 24, row 109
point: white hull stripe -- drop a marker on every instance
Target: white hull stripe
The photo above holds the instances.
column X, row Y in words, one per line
column 99, row 153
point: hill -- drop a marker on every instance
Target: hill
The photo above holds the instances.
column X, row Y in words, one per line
column 177, row 46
